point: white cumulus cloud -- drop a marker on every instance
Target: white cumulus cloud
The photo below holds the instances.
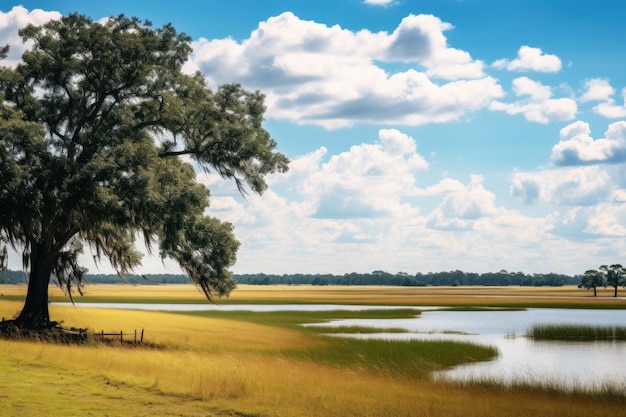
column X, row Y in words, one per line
column 586, row 186
column 602, row 220
column 579, row 186
column 600, row 90
column 531, row 59
column 369, row 180
column 379, row 2
column 597, row 89
column 610, row 109
column 577, row 147
column 463, row 205
column 325, row 75
column 536, row 104
column 15, row 19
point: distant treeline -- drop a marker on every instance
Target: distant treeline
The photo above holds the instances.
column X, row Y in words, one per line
column 453, row 278
column 403, row 279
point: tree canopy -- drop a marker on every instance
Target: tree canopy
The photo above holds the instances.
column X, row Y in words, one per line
column 93, row 124
column 592, row 279
column 615, row 275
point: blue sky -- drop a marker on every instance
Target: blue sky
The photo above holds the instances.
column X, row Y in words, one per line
column 425, row 135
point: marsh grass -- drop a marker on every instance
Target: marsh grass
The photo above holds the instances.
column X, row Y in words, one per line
column 261, row 364
column 295, row 319
column 358, row 329
column 576, row 332
column 412, row 358
column 557, row 388
column 409, row 358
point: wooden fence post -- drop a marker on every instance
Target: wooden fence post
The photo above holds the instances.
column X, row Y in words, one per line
column 121, row 334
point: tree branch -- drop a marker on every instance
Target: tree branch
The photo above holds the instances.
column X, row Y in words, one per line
column 175, row 153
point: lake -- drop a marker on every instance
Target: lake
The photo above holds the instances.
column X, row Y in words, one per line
column 569, row 364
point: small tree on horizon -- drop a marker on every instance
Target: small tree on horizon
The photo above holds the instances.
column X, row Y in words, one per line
column 615, row 275
column 92, row 125
column 592, row 279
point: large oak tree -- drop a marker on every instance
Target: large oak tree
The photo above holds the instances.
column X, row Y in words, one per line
column 93, row 126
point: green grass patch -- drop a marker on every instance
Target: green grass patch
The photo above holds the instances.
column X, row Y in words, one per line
column 411, row 358
column 359, row 329
column 28, row 387
column 577, row 332
column 295, row 319
column 12, row 297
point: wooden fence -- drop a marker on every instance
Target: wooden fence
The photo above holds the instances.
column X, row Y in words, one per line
column 134, row 336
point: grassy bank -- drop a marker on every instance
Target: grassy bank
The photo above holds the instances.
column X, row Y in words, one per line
column 410, row 358
column 256, row 364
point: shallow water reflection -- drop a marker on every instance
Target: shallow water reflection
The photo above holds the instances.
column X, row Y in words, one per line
column 568, row 364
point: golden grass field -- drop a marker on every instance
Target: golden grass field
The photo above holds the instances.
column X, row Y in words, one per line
column 381, row 295
column 208, row 366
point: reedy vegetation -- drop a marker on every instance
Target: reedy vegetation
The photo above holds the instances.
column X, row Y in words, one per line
column 577, row 332
column 242, row 363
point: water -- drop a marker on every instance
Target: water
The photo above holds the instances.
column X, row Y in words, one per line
column 566, row 364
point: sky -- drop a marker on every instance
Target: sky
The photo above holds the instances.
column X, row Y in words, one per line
column 424, row 135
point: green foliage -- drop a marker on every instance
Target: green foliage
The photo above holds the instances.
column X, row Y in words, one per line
column 608, row 275
column 91, row 124
column 592, row 279
column 444, row 278
column 615, row 275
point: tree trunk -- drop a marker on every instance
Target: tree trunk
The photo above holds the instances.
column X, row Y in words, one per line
column 615, row 295
column 595, row 293
column 35, row 314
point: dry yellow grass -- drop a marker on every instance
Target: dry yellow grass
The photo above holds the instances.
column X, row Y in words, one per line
column 256, row 385
column 475, row 295
column 214, row 367
column 389, row 295
column 416, row 296
column 183, row 332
